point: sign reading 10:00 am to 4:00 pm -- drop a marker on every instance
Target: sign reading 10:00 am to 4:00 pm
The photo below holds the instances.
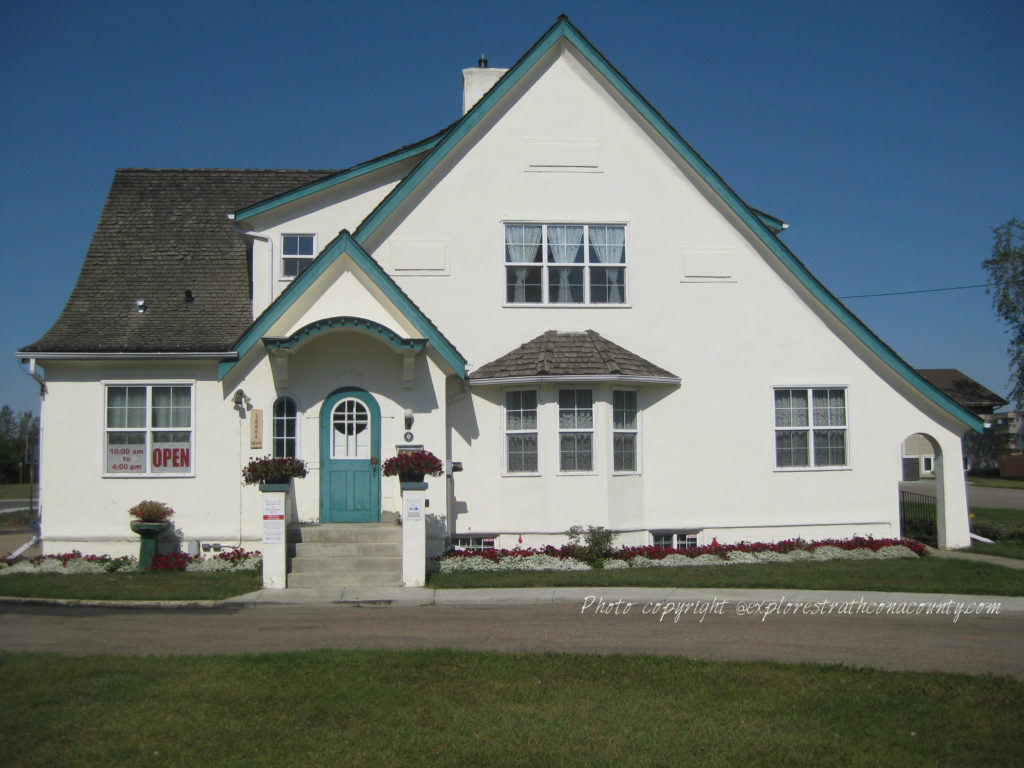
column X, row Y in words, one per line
column 174, row 458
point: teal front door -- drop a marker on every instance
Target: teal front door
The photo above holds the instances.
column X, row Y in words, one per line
column 350, row 457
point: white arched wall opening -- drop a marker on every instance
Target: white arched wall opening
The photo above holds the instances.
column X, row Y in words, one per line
column 952, row 523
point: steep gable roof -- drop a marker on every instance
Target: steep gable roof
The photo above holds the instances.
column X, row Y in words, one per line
column 162, row 233
column 762, row 226
column 586, row 355
column 345, row 244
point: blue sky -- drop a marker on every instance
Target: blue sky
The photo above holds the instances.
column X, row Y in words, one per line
column 889, row 135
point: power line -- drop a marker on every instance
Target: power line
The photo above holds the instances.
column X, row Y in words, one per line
column 929, row 290
column 923, row 290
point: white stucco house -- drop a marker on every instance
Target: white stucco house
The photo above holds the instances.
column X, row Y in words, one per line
column 555, row 294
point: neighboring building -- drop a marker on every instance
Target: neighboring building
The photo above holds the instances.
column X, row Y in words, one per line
column 979, row 451
column 1008, row 429
column 556, row 292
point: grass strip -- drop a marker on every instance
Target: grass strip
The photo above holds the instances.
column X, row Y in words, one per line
column 17, row 491
column 456, row 708
column 996, row 482
column 1012, row 549
column 147, row 585
column 925, row 574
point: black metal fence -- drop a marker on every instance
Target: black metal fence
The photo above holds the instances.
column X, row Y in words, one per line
column 918, row 517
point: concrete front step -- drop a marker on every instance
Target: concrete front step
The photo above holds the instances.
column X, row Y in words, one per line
column 345, row 554
column 336, row 580
column 333, row 549
column 385, row 565
column 346, row 533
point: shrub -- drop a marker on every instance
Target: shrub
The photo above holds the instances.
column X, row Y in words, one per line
column 591, row 544
column 151, row 512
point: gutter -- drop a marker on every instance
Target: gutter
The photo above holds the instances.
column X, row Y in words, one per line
column 35, row 375
column 270, row 248
column 122, row 356
column 514, row 380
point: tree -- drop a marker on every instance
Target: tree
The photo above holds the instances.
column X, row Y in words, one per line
column 19, row 433
column 1006, row 285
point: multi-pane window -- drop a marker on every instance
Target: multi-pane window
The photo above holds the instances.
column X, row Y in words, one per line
column 296, row 254
column 575, row 430
column 473, row 542
column 810, row 428
column 625, row 431
column 350, row 430
column 521, row 431
column 285, row 423
column 148, row 429
column 565, row 264
column 680, row 540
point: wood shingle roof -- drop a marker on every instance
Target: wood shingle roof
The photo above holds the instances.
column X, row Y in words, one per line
column 558, row 354
column 162, row 233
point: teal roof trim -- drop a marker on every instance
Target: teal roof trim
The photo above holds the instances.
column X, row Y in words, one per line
column 339, row 178
column 345, row 243
column 563, row 29
column 400, row 343
column 775, row 224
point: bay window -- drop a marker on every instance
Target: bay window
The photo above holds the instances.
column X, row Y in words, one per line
column 625, row 431
column 521, row 431
column 575, row 430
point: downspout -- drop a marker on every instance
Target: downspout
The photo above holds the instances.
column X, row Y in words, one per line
column 35, row 375
column 270, row 249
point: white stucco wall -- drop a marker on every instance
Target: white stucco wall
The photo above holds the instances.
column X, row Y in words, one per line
column 708, row 445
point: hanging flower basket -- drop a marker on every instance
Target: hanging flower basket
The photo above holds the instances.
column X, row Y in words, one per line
column 411, row 466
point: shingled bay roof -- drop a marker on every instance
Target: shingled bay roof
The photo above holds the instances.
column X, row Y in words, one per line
column 584, row 354
column 162, row 233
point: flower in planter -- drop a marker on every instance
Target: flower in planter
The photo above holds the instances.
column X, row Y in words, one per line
column 414, row 463
column 151, row 512
column 272, row 471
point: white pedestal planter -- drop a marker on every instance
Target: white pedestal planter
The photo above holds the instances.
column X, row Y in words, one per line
column 275, row 538
column 414, row 534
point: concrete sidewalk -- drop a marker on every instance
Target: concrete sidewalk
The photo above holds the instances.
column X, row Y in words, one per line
column 604, row 597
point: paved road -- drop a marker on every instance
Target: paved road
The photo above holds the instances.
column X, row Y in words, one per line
column 975, row 645
column 9, row 505
column 993, row 498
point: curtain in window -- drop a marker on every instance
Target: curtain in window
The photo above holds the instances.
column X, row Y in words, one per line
column 564, row 245
column 608, row 245
column 523, row 244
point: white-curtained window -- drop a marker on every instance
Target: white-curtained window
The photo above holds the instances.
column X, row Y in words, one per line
column 810, row 428
column 565, row 264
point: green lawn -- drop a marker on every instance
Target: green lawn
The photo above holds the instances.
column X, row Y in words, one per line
column 16, row 521
column 458, row 708
column 925, row 574
column 996, row 482
column 16, row 491
column 149, row 585
column 1014, row 549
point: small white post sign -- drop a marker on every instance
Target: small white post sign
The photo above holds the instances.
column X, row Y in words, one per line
column 275, row 561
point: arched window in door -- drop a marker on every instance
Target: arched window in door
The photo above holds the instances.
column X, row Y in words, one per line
column 350, row 430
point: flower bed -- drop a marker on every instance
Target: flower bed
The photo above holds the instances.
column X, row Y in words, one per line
column 76, row 562
column 561, row 558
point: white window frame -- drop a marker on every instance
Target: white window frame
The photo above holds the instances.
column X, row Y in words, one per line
column 546, row 266
column 677, row 539
column 284, row 235
column 476, row 543
column 577, row 430
column 636, row 432
column 810, row 429
column 506, row 432
column 148, row 429
column 274, row 419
